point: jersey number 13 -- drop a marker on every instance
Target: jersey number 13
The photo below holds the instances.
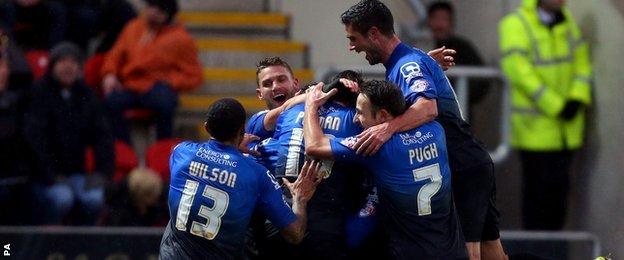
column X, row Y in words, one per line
column 210, row 228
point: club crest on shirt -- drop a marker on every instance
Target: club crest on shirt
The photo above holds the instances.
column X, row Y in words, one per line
column 419, row 85
column 349, row 141
column 410, row 70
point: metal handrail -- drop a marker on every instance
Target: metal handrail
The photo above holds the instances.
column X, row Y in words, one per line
column 462, row 74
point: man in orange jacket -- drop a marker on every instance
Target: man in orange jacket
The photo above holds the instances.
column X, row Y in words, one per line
column 153, row 58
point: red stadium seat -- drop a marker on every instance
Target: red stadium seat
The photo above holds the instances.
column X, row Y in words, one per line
column 139, row 114
column 125, row 160
column 92, row 75
column 157, row 157
column 38, row 61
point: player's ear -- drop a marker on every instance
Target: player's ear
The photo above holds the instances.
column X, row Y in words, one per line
column 373, row 32
column 296, row 82
column 384, row 115
column 206, row 127
column 258, row 93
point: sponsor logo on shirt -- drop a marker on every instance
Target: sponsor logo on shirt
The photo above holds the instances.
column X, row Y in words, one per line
column 215, row 157
column 410, row 70
column 416, row 138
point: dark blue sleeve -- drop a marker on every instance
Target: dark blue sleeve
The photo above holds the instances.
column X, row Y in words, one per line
column 271, row 202
column 255, row 125
column 342, row 149
column 415, row 80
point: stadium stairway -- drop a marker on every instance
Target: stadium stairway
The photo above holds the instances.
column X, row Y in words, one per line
column 232, row 36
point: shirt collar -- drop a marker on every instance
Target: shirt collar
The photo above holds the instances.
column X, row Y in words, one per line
column 398, row 52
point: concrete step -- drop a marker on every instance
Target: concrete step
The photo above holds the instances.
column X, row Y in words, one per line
column 234, row 81
column 225, row 5
column 236, row 24
column 194, row 102
column 237, row 53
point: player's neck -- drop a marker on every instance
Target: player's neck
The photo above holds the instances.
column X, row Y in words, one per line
column 388, row 47
column 234, row 143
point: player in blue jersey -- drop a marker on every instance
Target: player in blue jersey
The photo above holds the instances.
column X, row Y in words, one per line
column 277, row 85
column 338, row 195
column 214, row 190
column 411, row 173
column 369, row 28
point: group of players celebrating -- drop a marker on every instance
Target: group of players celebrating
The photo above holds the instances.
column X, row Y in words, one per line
column 372, row 168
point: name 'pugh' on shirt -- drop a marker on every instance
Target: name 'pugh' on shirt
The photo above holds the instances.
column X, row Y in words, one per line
column 421, row 154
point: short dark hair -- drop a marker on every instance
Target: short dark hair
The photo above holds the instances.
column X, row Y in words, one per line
column 344, row 94
column 225, row 119
column 441, row 5
column 384, row 95
column 170, row 7
column 271, row 61
column 368, row 13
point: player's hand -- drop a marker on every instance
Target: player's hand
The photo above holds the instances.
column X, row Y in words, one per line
column 304, row 187
column 110, row 83
column 244, row 145
column 369, row 141
column 350, row 84
column 316, row 97
column 443, row 56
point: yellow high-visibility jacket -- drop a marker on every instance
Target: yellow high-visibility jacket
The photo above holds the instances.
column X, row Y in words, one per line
column 546, row 67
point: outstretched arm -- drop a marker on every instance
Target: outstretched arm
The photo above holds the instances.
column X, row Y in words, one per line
column 302, row 191
column 270, row 120
column 316, row 143
column 419, row 113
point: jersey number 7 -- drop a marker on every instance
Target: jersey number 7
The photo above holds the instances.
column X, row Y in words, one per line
column 427, row 191
column 210, row 229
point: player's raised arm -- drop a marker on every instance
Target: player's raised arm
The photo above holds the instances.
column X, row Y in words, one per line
column 316, row 143
column 302, row 191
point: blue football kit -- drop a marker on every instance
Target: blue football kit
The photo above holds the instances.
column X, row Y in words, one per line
column 255, row 126
column 339, row 192
column 418, row 75
column 214, row 190
column 413, row 183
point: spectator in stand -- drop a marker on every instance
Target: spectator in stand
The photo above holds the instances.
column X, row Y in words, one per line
column 34, row 24
column 441, row 22
column 64, row 117
column 153, row 59
column 137, row 201
column 14, row 155
column 114, row 15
